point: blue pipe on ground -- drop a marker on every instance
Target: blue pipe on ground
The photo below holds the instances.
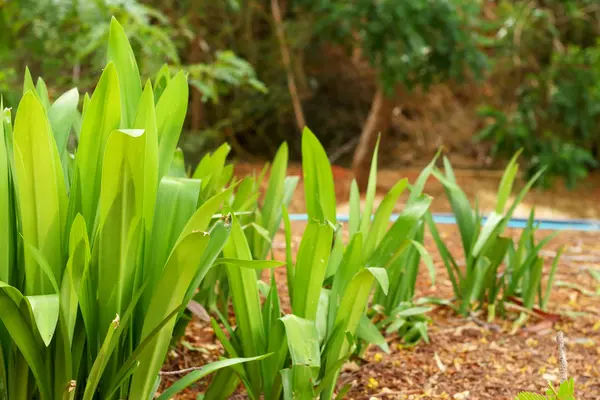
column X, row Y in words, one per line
column 582, row 225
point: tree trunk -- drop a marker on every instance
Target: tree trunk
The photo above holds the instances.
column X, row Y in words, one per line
column 196, row 105
column 378, row 122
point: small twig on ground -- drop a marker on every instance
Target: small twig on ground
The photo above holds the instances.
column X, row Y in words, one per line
column 491, row 327
column 180, row 371
column 562, row 357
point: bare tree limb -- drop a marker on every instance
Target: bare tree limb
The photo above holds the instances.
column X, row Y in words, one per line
column 285, row 58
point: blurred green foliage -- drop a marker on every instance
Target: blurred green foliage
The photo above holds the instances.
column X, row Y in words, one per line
column 418, row 42
column 64, row 40
column 549, row 53
column 544, row 57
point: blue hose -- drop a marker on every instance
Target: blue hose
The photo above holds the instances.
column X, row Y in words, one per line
column 582, row 225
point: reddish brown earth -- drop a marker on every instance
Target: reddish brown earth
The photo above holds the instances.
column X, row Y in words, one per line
column 468, row 359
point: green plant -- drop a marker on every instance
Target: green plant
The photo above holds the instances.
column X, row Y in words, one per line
column 566, row 391
column 91, row 281
column 403, row 267
column 550, row 58
column 522, row 277
column 481, row 281
column 329, row 286
column 409, row 321
column 260, row 218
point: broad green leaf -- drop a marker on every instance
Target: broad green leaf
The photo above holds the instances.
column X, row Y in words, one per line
column 121, row 54
column 145, row 120
column 177, row 168
column 311, row 265
column 21, row 332
column 461, row 207
column 62, row 115
column 318, row 179
column 170, row 115
column 45, row 310
column 370, row 195
column 246, row 301
column 168, row 295
column 42, row 91
column 449, row 262
column 417, row 188
column 100, row 362
column 289, row 264
column 354, row 217
column 303, row 342
column 132, row 360
column 381, row 221
column 274, row 198
column 337, row 253
column 351, row 263
column 7, row 228
column 175, row 204
column 28, row 84
column 403, row 312
column 550, row 281
column 250, row 264
column 204, row 214
column 490, row 228
column 78, row 262
column 40, row 181
column 351, row 310
column 162, row 79
column 426, row 259
column 506, row 184
column 368, row 332
column 102, row 116
column 392, row 243
column 219, row 234
column 121, row 206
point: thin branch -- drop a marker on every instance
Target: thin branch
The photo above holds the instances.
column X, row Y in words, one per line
column 285, row 58
column 179, row 372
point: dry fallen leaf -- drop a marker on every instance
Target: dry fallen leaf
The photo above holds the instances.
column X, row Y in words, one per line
column 462, row 395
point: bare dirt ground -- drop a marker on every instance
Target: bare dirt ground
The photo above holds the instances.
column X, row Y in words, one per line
column 469, row 359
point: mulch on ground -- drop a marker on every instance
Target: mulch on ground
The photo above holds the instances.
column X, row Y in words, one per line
column 467, row 358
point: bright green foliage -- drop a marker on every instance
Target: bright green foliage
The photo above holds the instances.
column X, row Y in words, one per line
column 399, row 249
column 98, row 256
column 259, row 222
column 566, row 391
column 329, row 284
column 523, row 274
column 481, row 281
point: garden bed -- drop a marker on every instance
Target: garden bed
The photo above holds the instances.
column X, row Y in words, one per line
column 467, row 358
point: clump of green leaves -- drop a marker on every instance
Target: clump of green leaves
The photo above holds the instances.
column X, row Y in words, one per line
column 481, row 281
column 329, row 286
column 405, row 255
column 523, row 274
column 100, row 250
column 566, row 391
